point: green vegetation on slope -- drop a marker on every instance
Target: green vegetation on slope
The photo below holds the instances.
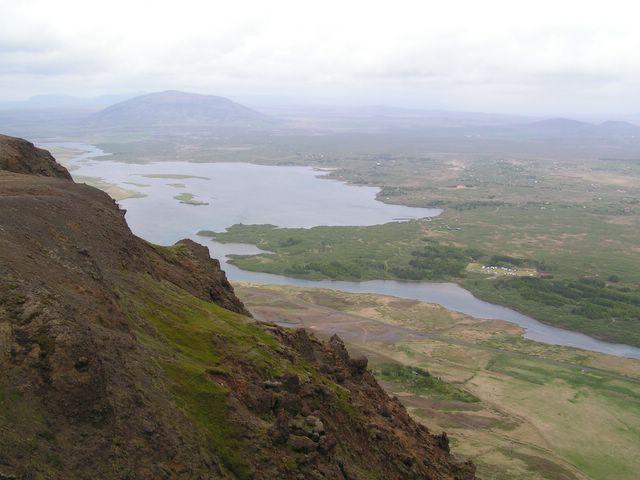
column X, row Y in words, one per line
column 197, row 343
column 195, row 339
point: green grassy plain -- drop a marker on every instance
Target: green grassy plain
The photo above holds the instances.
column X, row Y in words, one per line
column 355, row 253
column 578, row 297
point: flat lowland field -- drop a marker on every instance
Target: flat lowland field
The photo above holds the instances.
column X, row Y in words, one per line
column 571, row 217
column 519, row 409
column 555, row 284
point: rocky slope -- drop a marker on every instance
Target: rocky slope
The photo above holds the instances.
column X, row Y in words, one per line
column 124, row 360
column 20, row 156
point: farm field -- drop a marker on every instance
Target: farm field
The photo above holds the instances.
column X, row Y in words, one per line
column 518, row 408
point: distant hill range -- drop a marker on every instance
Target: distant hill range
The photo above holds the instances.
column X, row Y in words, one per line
column 448, row 122
column 563, row 127
column 395, row 117
column 180, row 113
column 175, row 108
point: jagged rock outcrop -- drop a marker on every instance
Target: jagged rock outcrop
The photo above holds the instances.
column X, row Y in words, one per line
column 198, row 273
column 121, row 359
column 19, row 156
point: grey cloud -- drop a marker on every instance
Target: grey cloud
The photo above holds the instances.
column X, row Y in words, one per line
column 573, row 77
column 50, row 63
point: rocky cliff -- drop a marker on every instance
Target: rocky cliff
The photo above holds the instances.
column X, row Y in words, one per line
column 19, row 156
column 125, row 360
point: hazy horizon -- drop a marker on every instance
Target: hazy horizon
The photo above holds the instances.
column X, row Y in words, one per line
column 572, row 59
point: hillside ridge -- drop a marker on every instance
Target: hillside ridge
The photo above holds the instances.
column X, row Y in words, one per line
column 142, row 359
column 19, row 156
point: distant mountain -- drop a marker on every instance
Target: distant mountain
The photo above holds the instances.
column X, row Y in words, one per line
column 562, row 127
column 172, row 107
column 619, row 128
column 560, row 124
column 440, row 118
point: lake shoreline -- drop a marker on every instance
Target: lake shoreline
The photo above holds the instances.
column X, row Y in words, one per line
column 450, row 295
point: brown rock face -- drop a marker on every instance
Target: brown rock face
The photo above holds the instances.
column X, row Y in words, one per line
column 198, row 273
column 114, row 364
column 20, row 156
column 73, row 375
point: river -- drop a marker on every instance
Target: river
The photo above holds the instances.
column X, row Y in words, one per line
column 287, row 197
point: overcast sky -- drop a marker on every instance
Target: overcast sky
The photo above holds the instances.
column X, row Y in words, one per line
column 541, row 57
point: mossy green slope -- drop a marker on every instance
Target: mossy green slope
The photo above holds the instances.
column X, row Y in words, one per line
column 193, row 340
column 212, row 358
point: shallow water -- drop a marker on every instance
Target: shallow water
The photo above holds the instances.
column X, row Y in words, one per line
column 236, row 193
column 288, row 197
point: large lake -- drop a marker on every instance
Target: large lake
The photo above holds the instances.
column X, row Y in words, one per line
column 287, row 197
column 235, row 193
